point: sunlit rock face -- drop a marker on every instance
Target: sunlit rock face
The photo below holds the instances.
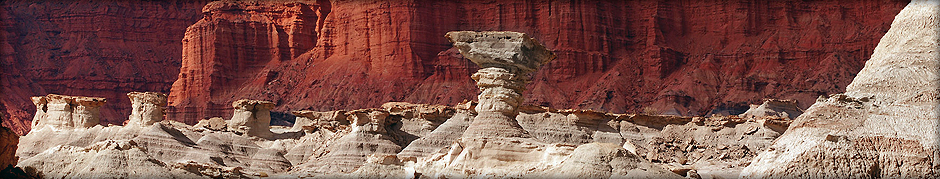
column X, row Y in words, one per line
column 886, row 123
column 146, row 108
column 505, row 59
column 66, row 112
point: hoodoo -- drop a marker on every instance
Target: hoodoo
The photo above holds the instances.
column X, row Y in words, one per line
column 505, row 59
column 146, row 108
column 65, row 112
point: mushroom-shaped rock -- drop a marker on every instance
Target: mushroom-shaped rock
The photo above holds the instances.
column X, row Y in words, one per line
column 67, row 112
column 146, row 108
column 251, row 117
column 505, row 59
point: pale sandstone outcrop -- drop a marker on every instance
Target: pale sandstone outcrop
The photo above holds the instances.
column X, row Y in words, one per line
column 65, row 112
column 605, row 160
column 309, row 121
column 774, row 108
column 444, row 135
column 505, row 59
column 146, row 108
column 215, row 123
column 375, row 142
column 368, row 135
column 109, row 158
column 251, row 117
column 417, row 120
column 712, row 147
column 885, row 124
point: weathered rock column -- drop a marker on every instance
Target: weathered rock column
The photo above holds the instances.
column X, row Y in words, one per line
column 252, row 117
column 66, row 112
column 505, row 59
column 146, row 108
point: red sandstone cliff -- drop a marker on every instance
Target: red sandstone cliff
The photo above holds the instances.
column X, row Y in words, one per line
column 92, row 48
column 686, row 57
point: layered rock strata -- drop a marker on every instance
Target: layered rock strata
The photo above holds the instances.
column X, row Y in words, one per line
column 146, row 108
column 233, row 44
column 886, row 124
column 65, row 112
column 685, row 58
column 251, row 117
column 402, row 140
column 505, row 59
column 694, row 57
column 89, row 48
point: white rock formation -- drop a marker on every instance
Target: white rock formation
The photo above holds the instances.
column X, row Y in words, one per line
column 251, row 117
column 66, row 112
column 774, row 108
column 146, row 108
column 505, row 59
column 886, row 123
column 309, row 121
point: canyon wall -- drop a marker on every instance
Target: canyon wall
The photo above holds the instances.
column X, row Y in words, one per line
column 675, row 57
column 91, row 48
column 686, row 57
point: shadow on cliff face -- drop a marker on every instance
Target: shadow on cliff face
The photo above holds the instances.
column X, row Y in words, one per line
column 282, row 118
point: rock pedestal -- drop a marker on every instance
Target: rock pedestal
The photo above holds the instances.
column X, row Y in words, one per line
column 505, row 59
column 251, row 117
column 67, row 112
column 146, row 108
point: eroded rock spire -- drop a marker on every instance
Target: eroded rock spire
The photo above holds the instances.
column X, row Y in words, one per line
column 506, row 59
